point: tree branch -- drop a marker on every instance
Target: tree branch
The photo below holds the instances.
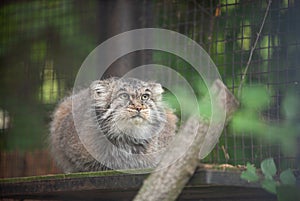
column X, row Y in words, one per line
column 253, row 48
column 172, row 174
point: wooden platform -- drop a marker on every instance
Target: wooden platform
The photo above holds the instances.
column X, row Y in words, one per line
column 112, row 185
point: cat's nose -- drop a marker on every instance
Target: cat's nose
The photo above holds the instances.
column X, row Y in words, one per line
column 138, row 108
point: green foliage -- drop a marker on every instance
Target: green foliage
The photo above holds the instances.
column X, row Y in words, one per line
column 284, row 188
column 269, row 185
column 287, row 177
column 185, row 104
column 269, row 170
column 250, row 174
column 268, row 167
column 249, row 120
column 255, row 97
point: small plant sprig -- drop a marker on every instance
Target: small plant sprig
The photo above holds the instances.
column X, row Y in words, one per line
column 284, row 187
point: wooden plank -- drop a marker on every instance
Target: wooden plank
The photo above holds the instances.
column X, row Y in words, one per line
column 112, row 185
column 20, row 164
column 220, row 177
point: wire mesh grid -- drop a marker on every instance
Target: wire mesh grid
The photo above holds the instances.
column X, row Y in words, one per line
column 228, row 30
column 44, row 44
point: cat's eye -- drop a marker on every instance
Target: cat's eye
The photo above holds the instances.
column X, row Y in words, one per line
column 124, row 96
column 98, row 93
column 145, row 96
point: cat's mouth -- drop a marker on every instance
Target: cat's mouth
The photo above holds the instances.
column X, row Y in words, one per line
column 137, row 119
column 137, row 116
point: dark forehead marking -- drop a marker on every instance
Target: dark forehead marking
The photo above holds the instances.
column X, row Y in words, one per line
column 132, row 86
column 148, row 90
column 131, row 83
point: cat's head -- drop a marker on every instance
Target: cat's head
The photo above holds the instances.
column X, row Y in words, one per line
column 129, row 106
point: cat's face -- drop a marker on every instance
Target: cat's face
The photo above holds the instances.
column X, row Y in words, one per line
column 129, row 106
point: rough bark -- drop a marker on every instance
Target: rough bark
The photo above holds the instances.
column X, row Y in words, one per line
column 172, row 174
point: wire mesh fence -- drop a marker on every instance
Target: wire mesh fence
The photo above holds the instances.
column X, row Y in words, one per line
column 45, row 42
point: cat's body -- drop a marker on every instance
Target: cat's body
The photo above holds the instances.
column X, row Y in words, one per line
column 113, row 124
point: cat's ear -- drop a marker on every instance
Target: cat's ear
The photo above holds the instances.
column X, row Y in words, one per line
column 100, row 90
column 157, row 91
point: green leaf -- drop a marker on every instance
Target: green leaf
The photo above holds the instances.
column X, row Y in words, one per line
column 250, row 174
column 250, row 97
column 287, row 177
column 269, row 185
column 268, row 167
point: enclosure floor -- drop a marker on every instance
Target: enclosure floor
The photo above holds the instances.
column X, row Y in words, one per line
column 206, row 184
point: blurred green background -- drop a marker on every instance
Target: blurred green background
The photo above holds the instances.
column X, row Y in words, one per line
column 43, row 44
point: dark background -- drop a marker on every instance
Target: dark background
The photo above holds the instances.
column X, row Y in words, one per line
column 43, row 44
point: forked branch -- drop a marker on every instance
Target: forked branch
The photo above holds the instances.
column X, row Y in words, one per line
column 172, row 174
